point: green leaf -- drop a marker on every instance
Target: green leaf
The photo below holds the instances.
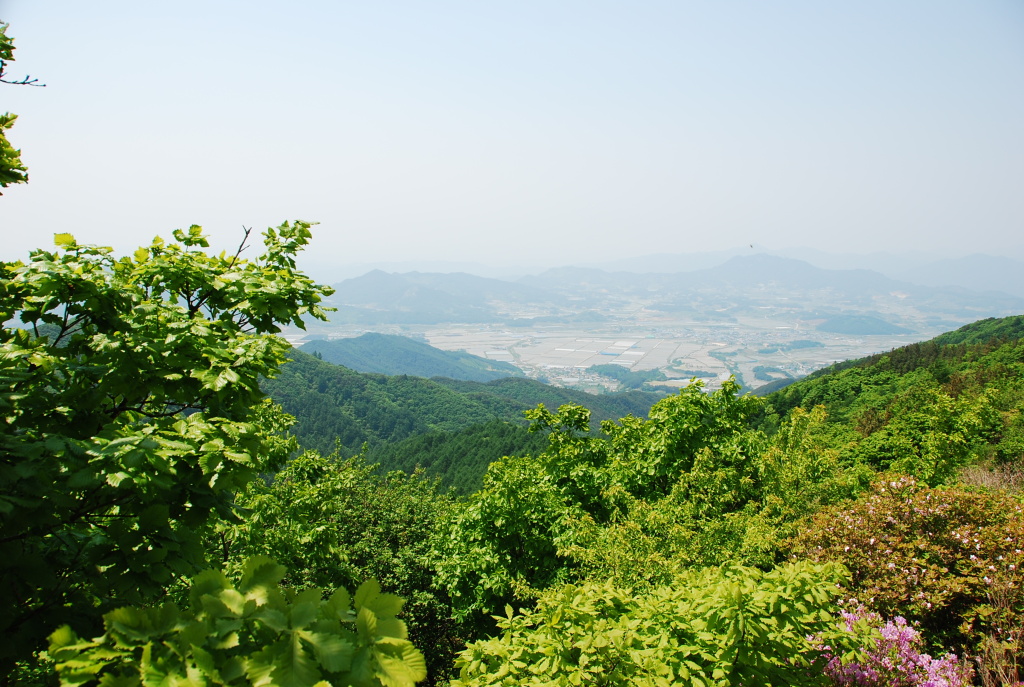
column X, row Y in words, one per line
column 338, row 606
column 131, row 623
column 383, row 605
column 207, row 583
column 332, row 652
column 367, row 591
column 111, row 680
column 305, row 608
column 391, row 627
column 403, row 668
column 260, row 574
column 366, row 624
column 294, row 667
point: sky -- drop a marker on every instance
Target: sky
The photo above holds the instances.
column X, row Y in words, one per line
column 524, row 132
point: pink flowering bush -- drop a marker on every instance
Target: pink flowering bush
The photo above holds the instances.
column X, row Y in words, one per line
column 896, row 658
column 932, row 556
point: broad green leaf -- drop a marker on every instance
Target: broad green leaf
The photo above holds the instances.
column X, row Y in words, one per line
column 403, row 670
column 259, row 575
column 332, row 652
column 383, row 605
column 391, row 627
column 367, row 591
column 294, row 667
column 207, row 583
column 338, row 606
column 366, row 624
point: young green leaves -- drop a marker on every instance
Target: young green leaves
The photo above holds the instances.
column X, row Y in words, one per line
column 253, row 632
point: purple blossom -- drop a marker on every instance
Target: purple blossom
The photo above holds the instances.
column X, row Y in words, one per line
column 896, row 659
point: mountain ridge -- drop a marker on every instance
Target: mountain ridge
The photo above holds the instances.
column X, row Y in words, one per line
column 391, row 354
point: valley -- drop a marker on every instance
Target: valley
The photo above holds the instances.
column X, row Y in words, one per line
column 761, row 318
column 682, row 350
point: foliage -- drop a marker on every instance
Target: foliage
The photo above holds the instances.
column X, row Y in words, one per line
column 528, row 393
column 1000, row 654
column 253, row 632
column 984, row 352
column 132, row 412
column 676, row 486
column 12, row 170
column 896, row 659
column 334, row 403
column 502, row 540
column 805, row 468
column 930, row 434
column 334, row 523
column 927, row 409
column 930, row 555
column 984, row 331
column 675, row 447
column 650, row 542
column 719, row 626
column 458, row 459
column 536, row 518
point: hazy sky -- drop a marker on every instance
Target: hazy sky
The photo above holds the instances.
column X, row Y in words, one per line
column 547, row 132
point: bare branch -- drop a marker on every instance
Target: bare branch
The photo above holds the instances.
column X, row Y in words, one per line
column 24, row 81
column 242, row 246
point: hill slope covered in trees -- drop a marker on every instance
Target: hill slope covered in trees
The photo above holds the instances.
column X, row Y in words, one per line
column 390, row 354
column 333, row 403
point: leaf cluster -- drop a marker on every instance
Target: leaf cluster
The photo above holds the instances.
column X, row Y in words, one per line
column 719, row 626
column 12, row 169
column 253, row 632
column 335, row 522
column 131, row 413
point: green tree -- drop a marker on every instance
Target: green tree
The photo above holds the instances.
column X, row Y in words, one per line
column 527, row 527
column 132, row 412
column 12, row 170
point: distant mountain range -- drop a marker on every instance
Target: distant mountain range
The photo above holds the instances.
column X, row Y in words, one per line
column 977, row 272
column 400, row 355
column 425, row 298
column 744, row 285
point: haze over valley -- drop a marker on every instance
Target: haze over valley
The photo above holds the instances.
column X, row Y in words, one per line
column 759, row 317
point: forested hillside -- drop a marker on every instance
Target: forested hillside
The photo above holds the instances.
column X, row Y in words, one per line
column 335, row 404
column 390, row 354
column 968, row 384
column 458, row 459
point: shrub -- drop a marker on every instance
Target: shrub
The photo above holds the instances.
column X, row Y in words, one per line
column 720, row 626
column 930, row 555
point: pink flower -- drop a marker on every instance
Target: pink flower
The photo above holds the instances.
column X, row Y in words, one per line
column 895, row 659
